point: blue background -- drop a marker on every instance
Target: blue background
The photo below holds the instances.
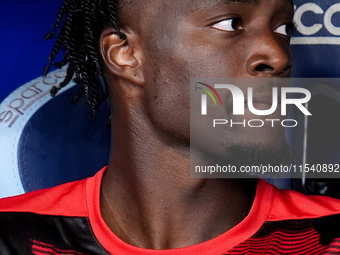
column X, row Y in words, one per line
column 23, row 50
column 24, row 53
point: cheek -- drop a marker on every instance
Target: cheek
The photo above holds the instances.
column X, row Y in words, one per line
column 209, row 62
column 169, row 69
column 167, row 99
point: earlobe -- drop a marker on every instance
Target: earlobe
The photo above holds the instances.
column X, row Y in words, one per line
column 120, row 56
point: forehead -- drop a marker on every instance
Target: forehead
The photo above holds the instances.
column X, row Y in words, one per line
column 234, row 1
column 142, row 4
column 156, row 17
column 141, row 9
column 204, row 4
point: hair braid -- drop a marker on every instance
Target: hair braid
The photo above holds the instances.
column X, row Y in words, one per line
column 68, row 78
column 60, row 15
column 113, row 12
column 80, row 23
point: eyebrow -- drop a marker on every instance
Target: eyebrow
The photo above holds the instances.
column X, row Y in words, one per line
column 206, row 3
column 253, row 2
column 242, row 1
column 219, row 2
column 256, row 2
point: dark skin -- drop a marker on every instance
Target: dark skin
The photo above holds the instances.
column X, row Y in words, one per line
column 147, row 196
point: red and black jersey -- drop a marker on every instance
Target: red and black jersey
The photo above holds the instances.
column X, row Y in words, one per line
column 67, row 220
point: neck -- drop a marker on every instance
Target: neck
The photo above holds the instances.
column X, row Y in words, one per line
column 149, row 200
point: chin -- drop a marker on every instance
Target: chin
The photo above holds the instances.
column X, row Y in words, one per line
column 258, row 153
column 267, row 139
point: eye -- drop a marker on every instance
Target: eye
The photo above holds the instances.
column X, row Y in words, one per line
column 229, row 25
column 286, row 29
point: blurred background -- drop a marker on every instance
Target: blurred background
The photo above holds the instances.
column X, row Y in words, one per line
column 23, row 49
column 24, row 53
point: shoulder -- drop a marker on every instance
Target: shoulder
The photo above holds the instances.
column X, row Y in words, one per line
column 69, row 199
column 292, row 205
column 63, row 200
column 48, row 221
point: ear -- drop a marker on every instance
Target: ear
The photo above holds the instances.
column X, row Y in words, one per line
column 121, row 56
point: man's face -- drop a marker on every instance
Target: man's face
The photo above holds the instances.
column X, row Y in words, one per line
column 184, row 39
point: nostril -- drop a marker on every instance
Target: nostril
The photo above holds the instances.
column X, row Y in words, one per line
column 263, row 68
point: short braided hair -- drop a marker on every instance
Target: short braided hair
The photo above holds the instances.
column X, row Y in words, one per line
column 79, row 24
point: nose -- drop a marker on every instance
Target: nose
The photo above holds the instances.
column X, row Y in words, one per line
column 269, row 56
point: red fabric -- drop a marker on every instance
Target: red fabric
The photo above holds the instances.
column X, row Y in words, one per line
column 82, row 199
column 40, row 248
column 294, row 205
column 218, row 245
column 280, row 240
column 269, row 204
column 64, row 200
